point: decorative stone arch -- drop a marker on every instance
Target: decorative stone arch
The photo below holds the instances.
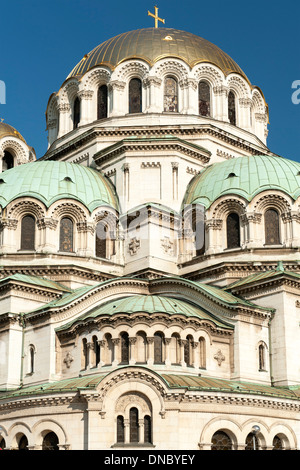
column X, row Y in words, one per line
column 15, row 432
column 275, row 199
column 132, row 69
column 73, row 209
column 262, row 435
column 209, row 73
column 259, row 105
column 95, row 77
column 106, row 225
column 143, row 382
column 239, row 85
column 20, row 207
column 172, row 67
column 285, row 432
column 222, row 207
column 69, row 91
column 43, row 427
column 229, row 426
column 17, row 149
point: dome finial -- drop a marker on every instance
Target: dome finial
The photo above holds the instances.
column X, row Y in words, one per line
column 156, row 17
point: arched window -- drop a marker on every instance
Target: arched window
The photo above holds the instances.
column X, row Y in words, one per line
column 221, row 441
column 202, row 351
column 170, row 95
column 204, row 98
column 134, row 424
column 102, row 102
column 124, row 348
column 141, row 347
column 31, row 359
column 135, row 96
column 84, row 354
column 50, row 442
column 66, row 235
column 198, row 227
column 28, row 233
column 2, row 443
column 76, row 113
column 188, row 350
column 147, row 429
column 262, row 357
column 233, row 230
column 8, row 161
column 101, row 240
column 231, row 108
column 96, row 352
column 277, row 443
column 158, row 348
column 251, row 442
column 120, row 429
column 23, row 443
column 272, row 236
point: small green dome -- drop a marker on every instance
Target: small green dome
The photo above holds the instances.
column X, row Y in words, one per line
column 152, row 304
column 245, row 177
column 50, row 181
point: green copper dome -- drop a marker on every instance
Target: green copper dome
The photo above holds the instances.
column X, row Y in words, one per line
column 150, row 304
column 245, row 177
column 50, row 181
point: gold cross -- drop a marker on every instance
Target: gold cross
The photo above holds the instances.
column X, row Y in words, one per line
column 156, row 17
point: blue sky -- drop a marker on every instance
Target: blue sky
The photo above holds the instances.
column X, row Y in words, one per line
column 42, row 40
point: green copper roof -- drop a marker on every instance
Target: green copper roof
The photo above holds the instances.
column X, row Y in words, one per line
column 193, row 383
column 50, row 181
column 246, row 177
column 35, row 281
column 150, row 304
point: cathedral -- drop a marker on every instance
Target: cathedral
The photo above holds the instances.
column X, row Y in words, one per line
column 149, row 276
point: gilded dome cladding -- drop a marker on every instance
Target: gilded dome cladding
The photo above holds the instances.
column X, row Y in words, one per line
column 8, row 131
column 153, row 44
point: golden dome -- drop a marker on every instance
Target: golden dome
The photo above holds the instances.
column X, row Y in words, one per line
column 6, row 130
column 152, row 44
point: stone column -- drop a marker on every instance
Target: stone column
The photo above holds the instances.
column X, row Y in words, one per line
column 116, row 88
column 85, row 110
column 64, row 111
column 152, row 85
column 116, row 343
column 150, row 352
column 132, row 355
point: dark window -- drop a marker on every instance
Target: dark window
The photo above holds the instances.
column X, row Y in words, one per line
column 23, row 443
column 2, row 443
column 171, row 95
column 262, row 357
column 231, row 108
column 28, row 233
column 134, row 424
column 76, row 113
column 147, row 429
column 251, row 442
column 66, row 235
column 233, row 230
column 84, row 357
column 124, row 348
column 198, row 226
column 120, row 429
column 158, row 348
column 204, row 99
column 101, row 240
column 221, row 441
column 277, row 443
column 188, row 350
column 50, row 442
column 8, row 161
column 102, row 102
column 135, row 96
column 31, row 352
column 272, row 227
